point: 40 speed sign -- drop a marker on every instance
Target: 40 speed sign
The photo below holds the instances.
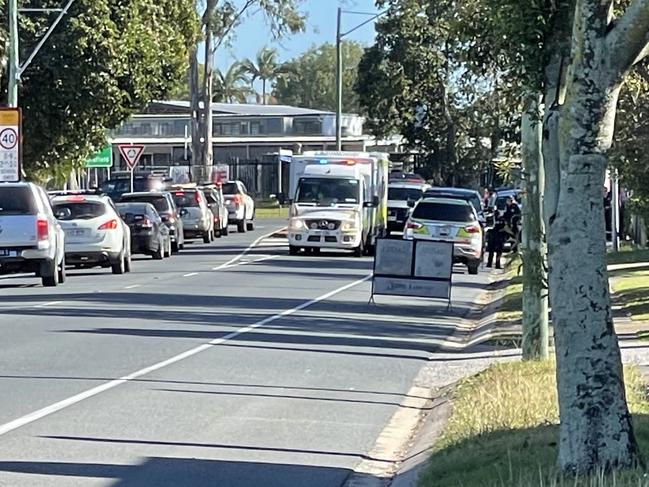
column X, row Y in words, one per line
column 10, row 144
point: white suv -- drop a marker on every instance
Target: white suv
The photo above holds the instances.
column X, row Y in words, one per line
column 95, row 234
column 31, row 239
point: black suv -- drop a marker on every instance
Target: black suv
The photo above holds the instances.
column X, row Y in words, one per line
column 120, row 184
column 164, row 204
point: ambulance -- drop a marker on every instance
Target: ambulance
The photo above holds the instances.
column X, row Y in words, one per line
column 338, row 201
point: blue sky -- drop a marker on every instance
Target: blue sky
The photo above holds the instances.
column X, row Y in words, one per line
column 254, row 34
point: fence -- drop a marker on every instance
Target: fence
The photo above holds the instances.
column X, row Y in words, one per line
column 261, row 177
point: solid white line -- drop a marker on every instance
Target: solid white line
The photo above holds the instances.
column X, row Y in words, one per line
column 133, row 286
column 70, row 401
column 191, row 274
column 261, row 259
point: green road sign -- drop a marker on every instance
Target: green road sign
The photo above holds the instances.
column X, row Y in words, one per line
column 104, row 158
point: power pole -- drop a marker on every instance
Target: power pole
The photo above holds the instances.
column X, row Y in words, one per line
column 14, row 61
column 339, row 82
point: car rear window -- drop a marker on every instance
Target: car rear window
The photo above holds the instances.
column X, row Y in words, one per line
column 159, row 202
column 404, row 194
column 472, row 198
column 17, row 201
column 209, row 196
column 186, row 199
column 230, row 188
column 448, row 212
column 128, row 210
column 86, row 210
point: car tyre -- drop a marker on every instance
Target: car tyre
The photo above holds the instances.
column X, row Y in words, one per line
column 175, row 248
column 250, row 226
column 127, row 261
column 360, row 250
column 160, row 253
column 206, row 238
column 218, row 233
column 473, row 268
column 168, row 250
column 241, row 226
column 63, row 276
column 49, row 274
column 119, row 267
column 225, row 231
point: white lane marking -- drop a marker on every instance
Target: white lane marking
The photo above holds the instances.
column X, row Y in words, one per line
column 133, row 286
column 70, row 401
column 191, row 274
column 247, row 250
column 261, row 259
column 50, row 303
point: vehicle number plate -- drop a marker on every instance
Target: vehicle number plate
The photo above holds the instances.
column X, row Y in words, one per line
column 325, row 233
column 8, row 253
column 392, row 218
column 75, row 232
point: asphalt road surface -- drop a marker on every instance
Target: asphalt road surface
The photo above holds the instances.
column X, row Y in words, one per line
column 223, row 366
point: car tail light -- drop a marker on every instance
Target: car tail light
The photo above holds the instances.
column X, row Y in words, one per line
column 236, row 199
column 199, row 199
column 472, row 229
column 76, row 198
column 414, row 225
column 42, row 229
column 109, row 225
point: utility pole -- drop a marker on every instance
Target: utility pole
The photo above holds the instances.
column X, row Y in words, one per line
column 14, row 62
column 339, row 82
column 339, row 65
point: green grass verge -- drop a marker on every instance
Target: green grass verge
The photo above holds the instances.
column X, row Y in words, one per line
column 275, row 212
column 628, row 255
column 502, row 432
column 631, row 286
column 511, row 306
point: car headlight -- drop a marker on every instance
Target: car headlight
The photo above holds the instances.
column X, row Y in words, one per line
column 296, row 224
column 349, row 225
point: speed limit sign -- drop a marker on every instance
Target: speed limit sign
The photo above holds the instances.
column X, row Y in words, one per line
column 10, row 144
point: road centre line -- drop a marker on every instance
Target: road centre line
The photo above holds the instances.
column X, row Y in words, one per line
column 191, row 274
column 247, row 250
column 49, row 303
column 72, row 400
column 133, row 286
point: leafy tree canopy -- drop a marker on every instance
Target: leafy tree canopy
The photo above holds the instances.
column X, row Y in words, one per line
column 310, row 79
column 105, row 60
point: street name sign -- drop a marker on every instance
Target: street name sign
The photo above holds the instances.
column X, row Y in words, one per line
column 103, row 158
column 10, row 145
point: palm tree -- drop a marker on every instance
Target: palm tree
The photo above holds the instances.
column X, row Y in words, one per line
column 231, row 86
column 266, row 68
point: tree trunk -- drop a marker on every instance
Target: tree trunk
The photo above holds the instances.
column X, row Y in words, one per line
column 263, row 91
column 208, row 93
column 535, row 300
column 197, row 110
column 596, row 430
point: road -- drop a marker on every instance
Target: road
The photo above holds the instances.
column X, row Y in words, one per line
column 226, row 365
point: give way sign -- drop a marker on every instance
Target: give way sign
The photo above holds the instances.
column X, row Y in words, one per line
column 131, row 154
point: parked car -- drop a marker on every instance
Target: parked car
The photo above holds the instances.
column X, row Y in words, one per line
column 241, row 206
column 401, row 195
column 216, row 203
column 31, row 238
column 95, row 235
column 198, row 220
column 166, row 207
column 470, row 195
column 149, row 234
column 120, row 184
column 449, row 220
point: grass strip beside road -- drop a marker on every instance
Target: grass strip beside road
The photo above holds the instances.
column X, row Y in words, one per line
column 511, row 307
column 503, row 432
column 631, row 286
column 275, row 212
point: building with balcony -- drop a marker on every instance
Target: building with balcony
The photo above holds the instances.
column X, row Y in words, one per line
column 241, row 132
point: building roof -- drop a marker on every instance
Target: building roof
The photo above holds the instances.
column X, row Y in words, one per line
column 241, row 109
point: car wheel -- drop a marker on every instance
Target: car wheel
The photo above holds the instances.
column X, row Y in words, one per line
column 360, row 250
column 206, row 238
column 218, row 233
column 127, row 261
column 250, row 225
column 473, row 268
column 168, row 249
column 241, row 226
column 160, row 253
column 119, row 267
column 293, row 250
column 62, row 272
column 175, row 248
column 225, row 231
column 49, row 274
